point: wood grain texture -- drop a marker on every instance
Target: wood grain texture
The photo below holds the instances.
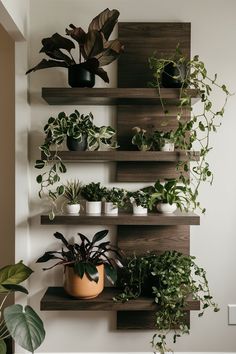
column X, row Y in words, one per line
column 141, row 40
column 118, row 155
column 140, row 239
column 56, row 299
column 112, row 96
column 177, row 218
column 140, row 320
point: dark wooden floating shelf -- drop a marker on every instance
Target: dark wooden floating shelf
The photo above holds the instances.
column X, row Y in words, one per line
column 112, row 96
column 56, row 299
column 118, row 155
column 177, row 218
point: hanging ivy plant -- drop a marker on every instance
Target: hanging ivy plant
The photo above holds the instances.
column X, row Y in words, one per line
column 195, row 132
column 169, row 278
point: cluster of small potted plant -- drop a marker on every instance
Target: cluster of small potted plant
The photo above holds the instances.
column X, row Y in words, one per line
column 80, row 133
column 157, row 140
column 165, row 197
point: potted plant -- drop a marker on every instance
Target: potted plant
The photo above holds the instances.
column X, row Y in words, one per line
column 114, row 199
column 139, row 201
column 168, row 196
column 72, row 195
column 169, row 278
column 94, row 47
column 164, row 141
column 22, row 324
column 85, row 264
column 80, row 133
column 141, row 139
column 191, row 74
column 93, row 194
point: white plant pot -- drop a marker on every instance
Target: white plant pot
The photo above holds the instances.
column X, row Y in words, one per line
column 139, row 210
column 93, row 207
column 168, row 146
column 166, row 208
column 72, row 208
column 110, row 209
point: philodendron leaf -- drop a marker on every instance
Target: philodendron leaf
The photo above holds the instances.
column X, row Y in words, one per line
column 3, row 347
column 25, row 326
column 99, row 236
column 14, row 274
column 15, row 287
column 91, row 272
column 111, row 273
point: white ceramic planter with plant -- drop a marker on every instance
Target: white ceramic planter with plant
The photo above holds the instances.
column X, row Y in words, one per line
column 168, row 145
column 114, row 199
column 72, row 195
column 93, row 193
column 166, row 197
column 139, row 201
column 166, row 208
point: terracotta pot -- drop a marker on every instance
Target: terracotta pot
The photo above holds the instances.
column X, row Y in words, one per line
column 83, row 288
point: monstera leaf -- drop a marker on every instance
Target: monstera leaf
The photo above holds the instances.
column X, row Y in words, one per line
column 25, row 326
column 3, row 347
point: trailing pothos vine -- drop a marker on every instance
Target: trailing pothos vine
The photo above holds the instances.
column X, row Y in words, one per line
column 196, row 131
column 170, row 279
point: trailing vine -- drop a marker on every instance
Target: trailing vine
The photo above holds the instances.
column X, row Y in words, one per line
column 170, row 279
column 195, row 132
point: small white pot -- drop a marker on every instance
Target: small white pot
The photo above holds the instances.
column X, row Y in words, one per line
column 166, row 208
column 139, row 210
column 72, row 208
column 93, row 207
column 168, row 146
column 110, row 209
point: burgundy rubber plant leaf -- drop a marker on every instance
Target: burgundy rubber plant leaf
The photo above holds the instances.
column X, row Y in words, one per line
column 105, row 22
column 93, row 44
column 45, row 64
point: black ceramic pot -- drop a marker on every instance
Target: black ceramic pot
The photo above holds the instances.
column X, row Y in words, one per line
column 80, row 77
column 75, row 145
column 167, row 77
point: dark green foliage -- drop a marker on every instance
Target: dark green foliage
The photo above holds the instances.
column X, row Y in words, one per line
column 115, row 196
column 93, row 192
column 194, row 133
column 170, row 278
column 86, row 255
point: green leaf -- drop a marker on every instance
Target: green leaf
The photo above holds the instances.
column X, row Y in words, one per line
column 14, row 274
column 79, row 269
column 39, row 178
column 3, row 347
column 15, row 287
column 91, row 272
column 99, row 236
column 25, row 326
column 111, row 273
column 39, row 164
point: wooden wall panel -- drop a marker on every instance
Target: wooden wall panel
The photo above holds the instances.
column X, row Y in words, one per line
column 141, row 40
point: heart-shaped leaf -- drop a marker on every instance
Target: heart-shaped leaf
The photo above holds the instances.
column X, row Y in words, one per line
column 14, row 274
column 25, row 326
column 3, row 347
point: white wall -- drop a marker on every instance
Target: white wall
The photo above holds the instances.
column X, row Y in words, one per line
column 14, row 14
column 214, row 242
